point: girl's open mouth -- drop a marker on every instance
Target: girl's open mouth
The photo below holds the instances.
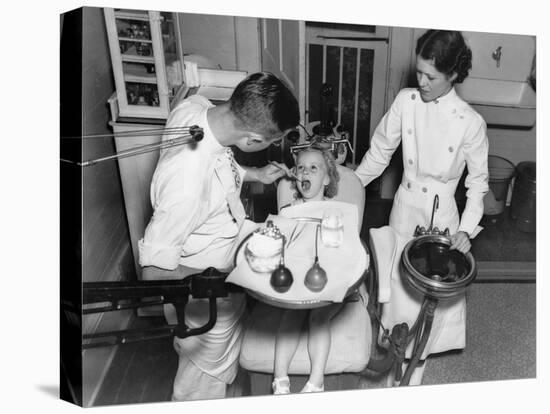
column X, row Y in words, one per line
column 306, row 185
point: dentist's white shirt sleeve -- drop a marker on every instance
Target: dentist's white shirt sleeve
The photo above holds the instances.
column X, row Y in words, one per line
column 175, row 217
column 476, row 152
column 384, row 142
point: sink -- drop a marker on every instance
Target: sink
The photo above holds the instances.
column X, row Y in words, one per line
column 500, row 102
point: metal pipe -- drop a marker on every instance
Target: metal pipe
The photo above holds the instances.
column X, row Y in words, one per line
column 434, row 209
column 419, row 331
column 194, row 134
column 142, row 132
column 128, row 336
column 418, row 322
column 183, row 331
column 426, row 329
column 143, row 149
column 118, row 307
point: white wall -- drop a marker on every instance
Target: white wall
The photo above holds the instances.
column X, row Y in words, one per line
column 229, row 42
column 514, row 145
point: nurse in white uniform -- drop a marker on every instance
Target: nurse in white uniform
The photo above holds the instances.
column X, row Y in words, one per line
column 441, row 135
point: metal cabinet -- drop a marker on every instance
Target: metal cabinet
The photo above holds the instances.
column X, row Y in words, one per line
column 147, row 61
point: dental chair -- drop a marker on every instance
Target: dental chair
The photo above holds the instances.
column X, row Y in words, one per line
column 351, row 332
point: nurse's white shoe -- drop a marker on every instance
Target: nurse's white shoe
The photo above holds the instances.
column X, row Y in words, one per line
column 281, row 385
column 309, row 387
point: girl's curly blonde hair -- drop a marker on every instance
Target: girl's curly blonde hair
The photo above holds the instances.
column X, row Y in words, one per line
column 332, row 188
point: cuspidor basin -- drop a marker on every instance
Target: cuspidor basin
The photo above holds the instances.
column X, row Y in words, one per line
column 431, row 267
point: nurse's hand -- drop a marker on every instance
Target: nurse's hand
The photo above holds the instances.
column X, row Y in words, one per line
column 461, row 242
column 268, row 174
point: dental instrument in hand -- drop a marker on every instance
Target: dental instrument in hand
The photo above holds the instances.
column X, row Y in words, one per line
column 292, row 175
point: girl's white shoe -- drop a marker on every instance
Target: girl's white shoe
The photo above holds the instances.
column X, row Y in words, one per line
column 309, row 387
column 281, row 385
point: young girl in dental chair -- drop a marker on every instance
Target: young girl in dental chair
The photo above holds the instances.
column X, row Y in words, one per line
column 317, row 180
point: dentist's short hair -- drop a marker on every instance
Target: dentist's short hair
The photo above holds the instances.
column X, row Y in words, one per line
column 263, row 104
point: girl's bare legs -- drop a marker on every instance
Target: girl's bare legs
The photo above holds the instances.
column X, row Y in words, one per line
column 318, row 344
column 288, row 337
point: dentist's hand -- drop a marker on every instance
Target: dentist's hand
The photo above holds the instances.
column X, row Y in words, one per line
column 268, row 174
column 461, row 242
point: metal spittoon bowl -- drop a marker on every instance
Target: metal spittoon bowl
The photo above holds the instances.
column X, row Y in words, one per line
column 436, row 271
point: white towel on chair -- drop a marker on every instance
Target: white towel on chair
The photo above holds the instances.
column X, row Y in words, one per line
column 385, row 244
column 345, row 265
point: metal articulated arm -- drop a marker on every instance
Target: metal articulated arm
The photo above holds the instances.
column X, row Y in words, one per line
column 210, row 284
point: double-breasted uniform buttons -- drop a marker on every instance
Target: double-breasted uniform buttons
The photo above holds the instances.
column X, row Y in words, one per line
column 408, row 185
column 413, row 96
column 424, row 190
column 451, row 149
column 409, row 131
column 410, row 161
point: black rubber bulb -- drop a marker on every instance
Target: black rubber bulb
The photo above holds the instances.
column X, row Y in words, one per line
column 316, row 278
column 281, row 277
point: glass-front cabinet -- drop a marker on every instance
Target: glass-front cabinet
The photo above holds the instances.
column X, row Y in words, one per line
column 147, row 61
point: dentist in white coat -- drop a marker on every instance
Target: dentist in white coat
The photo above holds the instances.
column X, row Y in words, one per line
column 441, row 135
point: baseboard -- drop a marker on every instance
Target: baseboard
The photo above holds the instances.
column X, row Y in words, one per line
column 506, row 272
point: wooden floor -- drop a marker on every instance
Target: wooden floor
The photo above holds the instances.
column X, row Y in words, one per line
column 141, row 372
column 144, row 372
column 503, row 242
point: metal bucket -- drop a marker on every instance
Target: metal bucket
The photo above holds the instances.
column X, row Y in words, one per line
column 436, row 271
column 523, row 208
column 501, row 172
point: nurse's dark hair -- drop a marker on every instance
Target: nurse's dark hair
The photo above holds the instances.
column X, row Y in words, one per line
column 449, row 52
column 263, row 104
